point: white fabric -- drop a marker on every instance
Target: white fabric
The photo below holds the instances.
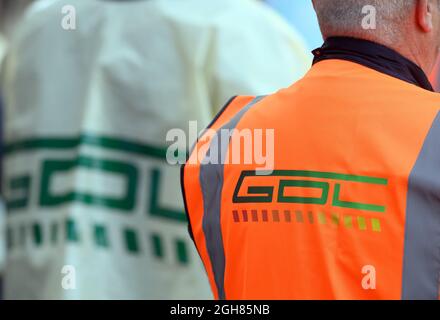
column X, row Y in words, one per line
column 3, row 45
column 131, row 71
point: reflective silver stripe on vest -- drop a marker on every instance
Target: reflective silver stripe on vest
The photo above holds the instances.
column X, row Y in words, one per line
column 421, row 261
column 211, row 181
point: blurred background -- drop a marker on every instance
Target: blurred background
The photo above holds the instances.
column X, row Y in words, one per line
column 90, row 208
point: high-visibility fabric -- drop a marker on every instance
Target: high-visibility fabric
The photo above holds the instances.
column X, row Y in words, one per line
column 351, row 208
column 91, row 198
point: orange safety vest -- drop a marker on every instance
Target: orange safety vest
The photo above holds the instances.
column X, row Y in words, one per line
column 352, row 207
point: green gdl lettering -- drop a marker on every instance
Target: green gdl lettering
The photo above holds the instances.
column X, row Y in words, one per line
column 304, row 180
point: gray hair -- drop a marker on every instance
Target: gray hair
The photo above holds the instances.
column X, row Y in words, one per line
column 344, row 17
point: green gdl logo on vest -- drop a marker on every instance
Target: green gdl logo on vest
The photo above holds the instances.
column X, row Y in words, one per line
column 306, row 180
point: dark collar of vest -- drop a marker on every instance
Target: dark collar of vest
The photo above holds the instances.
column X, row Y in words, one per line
column 374, row 56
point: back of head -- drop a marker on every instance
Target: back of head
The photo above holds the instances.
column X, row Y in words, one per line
column 410, row 27
column 363, row 18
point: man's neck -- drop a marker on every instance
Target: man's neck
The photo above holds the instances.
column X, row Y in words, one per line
column 415, row 54
column 375, row 56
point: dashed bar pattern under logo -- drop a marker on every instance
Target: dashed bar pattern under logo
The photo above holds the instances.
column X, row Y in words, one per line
column 360, row 223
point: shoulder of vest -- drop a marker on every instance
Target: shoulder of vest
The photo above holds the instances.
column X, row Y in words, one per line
column 229, row 110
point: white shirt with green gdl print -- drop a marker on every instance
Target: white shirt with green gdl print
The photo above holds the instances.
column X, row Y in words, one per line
column 94, row 209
